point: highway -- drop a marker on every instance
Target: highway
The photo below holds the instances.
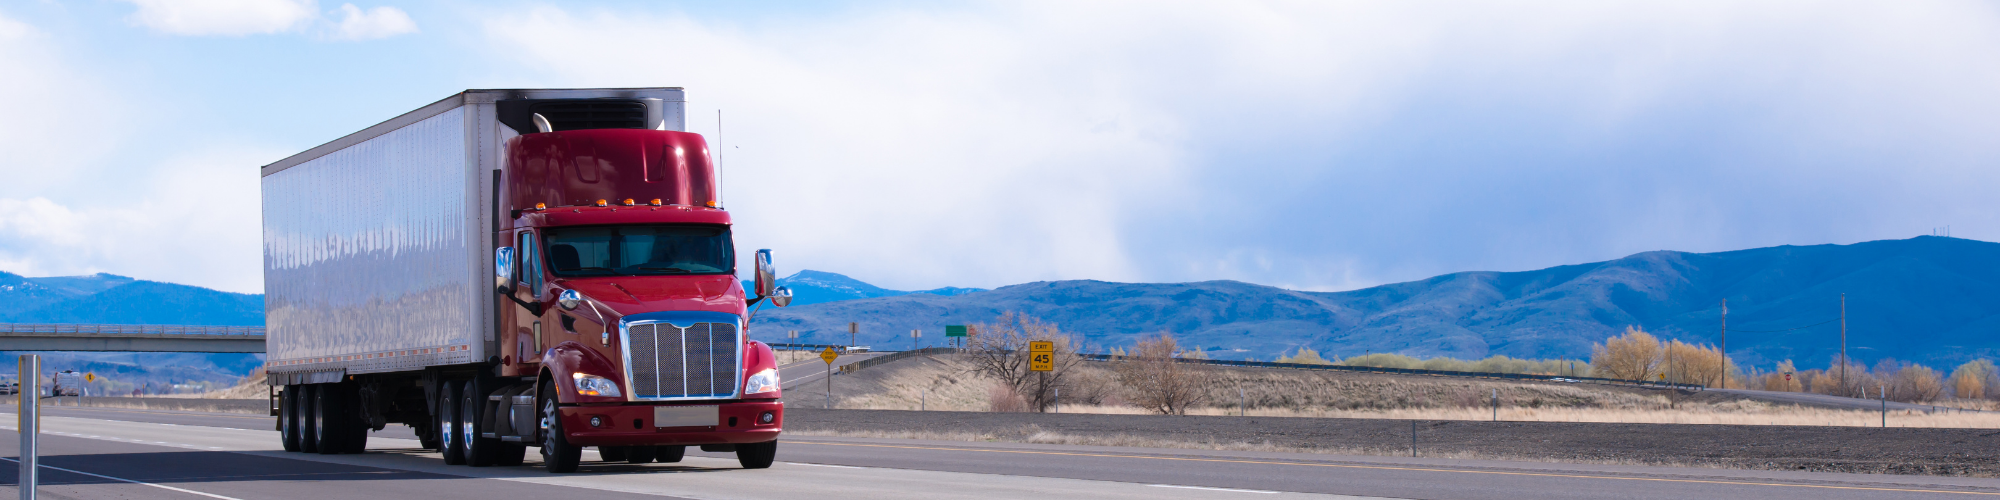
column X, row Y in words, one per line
column 117, row 453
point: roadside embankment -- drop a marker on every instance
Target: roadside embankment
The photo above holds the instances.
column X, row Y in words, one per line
column 1929, row 451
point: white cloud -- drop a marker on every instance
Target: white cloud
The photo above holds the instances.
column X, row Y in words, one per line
column 199, row 225
column 1313, row 144
column 371, row 24
column 224, row 17
column 265, row 17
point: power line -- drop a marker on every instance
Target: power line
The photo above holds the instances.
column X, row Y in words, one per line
column 1789, row 329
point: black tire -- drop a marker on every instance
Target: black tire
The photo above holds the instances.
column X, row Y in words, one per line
column 612, row 453
column 669, row 454
column 451, row 445
column 327, row 433
column 427, row 435
column 558, row 456
column 640, row 455
column 757, row 455
column 479, row 451
column 353, row 430
column 288, row 417
column 510, row 454
column 307, row 424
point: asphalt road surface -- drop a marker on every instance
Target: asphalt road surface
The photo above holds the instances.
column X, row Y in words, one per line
column 118, row 453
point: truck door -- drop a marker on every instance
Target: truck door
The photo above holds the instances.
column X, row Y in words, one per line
column 525, row 342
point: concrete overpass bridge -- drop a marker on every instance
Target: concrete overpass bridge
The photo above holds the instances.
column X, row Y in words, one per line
column 130, row 338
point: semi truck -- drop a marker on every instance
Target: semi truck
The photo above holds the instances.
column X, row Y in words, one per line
column 503, row 269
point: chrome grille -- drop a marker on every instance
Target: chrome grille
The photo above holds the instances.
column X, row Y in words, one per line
column 670, row 362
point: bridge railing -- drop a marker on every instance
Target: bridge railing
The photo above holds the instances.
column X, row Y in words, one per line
column 87, row 328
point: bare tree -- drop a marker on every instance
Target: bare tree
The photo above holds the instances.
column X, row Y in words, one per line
column 1636, row 355
column 1159, row 382
column 1000, row 350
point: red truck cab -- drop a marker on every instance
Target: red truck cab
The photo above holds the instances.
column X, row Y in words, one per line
column 622, row 298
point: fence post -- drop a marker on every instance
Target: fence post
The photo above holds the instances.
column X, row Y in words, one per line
column 28, row 392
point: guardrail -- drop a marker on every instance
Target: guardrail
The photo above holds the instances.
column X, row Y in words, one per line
column 85, row 328
column 816, row 347
column 863, row 364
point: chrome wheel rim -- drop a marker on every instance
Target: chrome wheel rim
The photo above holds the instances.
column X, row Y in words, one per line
column 465, row 427
column 548, row 437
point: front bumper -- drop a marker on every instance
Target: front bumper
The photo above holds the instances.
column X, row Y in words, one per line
column 628, row 425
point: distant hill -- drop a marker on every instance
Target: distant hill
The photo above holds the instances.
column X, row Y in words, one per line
column 113, row 299
column 1927, row 299
column 816, row 287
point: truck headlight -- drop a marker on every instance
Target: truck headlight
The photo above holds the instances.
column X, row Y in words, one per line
column 762, row 382
column 592, row 385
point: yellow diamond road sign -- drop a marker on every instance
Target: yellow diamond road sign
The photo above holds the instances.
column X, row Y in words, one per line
column 90, row 377
column 828, row 355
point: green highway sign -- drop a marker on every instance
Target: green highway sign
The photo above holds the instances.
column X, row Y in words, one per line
column 954, row 330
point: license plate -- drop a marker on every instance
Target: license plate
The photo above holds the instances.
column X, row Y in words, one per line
column 685, row 416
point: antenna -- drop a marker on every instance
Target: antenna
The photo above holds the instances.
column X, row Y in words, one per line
column 715, row 155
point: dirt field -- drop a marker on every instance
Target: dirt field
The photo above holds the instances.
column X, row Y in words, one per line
column 943, row 383
column 1951, row 452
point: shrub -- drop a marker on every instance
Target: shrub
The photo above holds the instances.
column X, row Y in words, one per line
column 1635, row 355
column 1305, row 356
column 1160, row 383
column 1969, row 380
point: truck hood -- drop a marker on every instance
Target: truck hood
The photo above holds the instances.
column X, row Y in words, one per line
column 629, row 295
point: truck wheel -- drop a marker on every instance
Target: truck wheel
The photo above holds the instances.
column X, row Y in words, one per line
column 479, row 451
column 304, row 411
column 288, row 417
column 449, row 443
column 669, row 454
column 510, row 454
column 558, row 455
column 353, row 428
column 326, row 420
column 639, row 455
column 612, row 453
column 756, row 455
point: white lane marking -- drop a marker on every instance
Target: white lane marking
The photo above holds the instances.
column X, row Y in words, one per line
column 160, row 486
column 825, row 465
column 1211, row 489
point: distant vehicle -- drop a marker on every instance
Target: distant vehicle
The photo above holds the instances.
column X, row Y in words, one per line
column 512, row 268
column 8, row 388
column 68, row 383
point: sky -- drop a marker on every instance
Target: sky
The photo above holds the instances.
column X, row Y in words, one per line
column 1314, row 145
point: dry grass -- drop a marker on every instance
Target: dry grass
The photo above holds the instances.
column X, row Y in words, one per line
column 946, row 384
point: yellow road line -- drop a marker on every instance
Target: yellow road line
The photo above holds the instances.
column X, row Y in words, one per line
column 1416, row 469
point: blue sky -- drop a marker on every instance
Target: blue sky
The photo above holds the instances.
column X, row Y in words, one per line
column 1310, row 145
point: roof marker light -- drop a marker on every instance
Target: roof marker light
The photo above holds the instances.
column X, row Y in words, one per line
column 713, row 204
column 541, row 206
column 603, row 203
column 656, row 202
column 628, row 202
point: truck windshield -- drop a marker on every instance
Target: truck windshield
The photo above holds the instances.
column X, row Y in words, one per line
column 639, row 250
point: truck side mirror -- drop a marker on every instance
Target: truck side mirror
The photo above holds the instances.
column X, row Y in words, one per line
column 503, row 270
column 781, row 297
column 767, row 276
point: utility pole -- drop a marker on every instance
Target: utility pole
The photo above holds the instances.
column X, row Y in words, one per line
column 1725, row 343
column 1843, row 344
column 853, row 330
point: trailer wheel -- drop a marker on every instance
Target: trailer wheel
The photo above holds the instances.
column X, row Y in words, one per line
column 558, row 455
column 307, row 424
column 326, row 420
column 288, row 417
column 757, row 455
column 669, row 454
column 449, row 443
column 612, row 453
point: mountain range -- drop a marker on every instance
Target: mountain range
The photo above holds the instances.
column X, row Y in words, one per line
column 1933, row 300
column 112, row 299
column 1928, row 299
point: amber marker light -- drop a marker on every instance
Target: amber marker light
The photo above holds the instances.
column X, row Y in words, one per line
column 541, row 206
column 713, row 204
column 603, row 203
column 656, row 202
column 628, row 202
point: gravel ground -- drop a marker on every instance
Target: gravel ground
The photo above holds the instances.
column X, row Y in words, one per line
column 1947, row 452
